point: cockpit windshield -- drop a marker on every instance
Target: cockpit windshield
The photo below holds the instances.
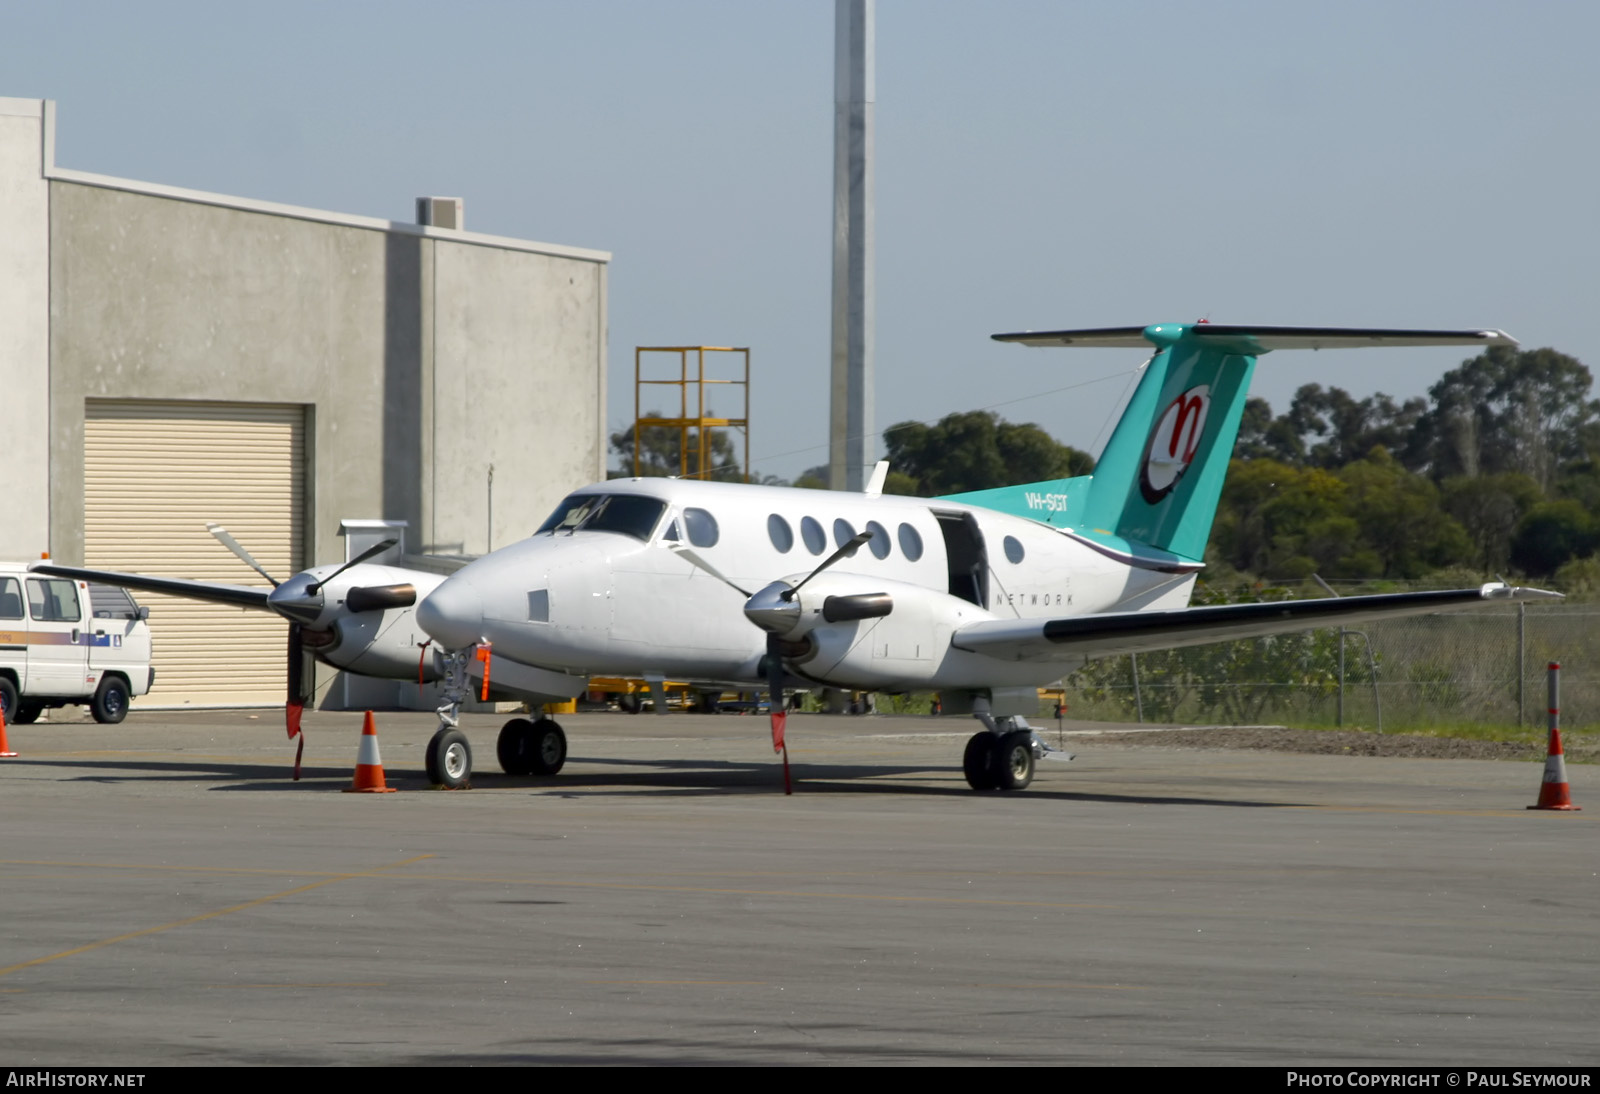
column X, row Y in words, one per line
column 570, row 513
column 631, row 514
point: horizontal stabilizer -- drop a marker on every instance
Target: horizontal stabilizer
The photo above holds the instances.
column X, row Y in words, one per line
column 1115, row 633
column 1256, row 340
column 240, row 596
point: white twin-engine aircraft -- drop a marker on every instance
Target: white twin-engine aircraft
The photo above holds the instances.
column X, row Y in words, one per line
column 983, row 597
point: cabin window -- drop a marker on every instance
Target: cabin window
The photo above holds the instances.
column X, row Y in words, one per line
column 1013, row 549
column 630, row 514
column 10, row 598
column 780, row 533
column 879, row 543
column 843, row 532
column 701, row 526
column 811, row 532
column 910, row 542
column 52, row 600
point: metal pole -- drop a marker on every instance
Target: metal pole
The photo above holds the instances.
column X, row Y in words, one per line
column 1138, row 700
column 1341, row 677
column 1555, row 699
column 850, row 444
column 1522, row 661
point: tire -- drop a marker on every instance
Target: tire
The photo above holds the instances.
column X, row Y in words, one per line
column 515, row 747
column 978, row 762
column 1013, row 761
column 549, row 751
column 110, row 703
column 709, row 702
column 27, row 713
column 8, row 699
column 449, row 760
column 628, row 703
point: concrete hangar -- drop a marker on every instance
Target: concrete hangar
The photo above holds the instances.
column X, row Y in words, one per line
column 170, row 357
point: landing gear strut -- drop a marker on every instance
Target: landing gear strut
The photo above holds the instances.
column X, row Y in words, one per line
column 449, row 757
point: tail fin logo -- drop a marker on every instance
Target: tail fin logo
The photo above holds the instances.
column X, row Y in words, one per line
column 1173, row 443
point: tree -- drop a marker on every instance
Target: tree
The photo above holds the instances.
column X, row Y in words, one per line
column 1489, row 508
column 1507, row 410
column 975, row 450
column 659, row 453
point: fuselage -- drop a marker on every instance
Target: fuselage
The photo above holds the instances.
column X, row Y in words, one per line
column 603, row 590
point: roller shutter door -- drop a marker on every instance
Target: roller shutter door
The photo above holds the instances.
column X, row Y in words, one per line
column 154, row 474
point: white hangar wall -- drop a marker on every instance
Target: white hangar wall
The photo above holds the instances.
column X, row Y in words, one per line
column 405, row 360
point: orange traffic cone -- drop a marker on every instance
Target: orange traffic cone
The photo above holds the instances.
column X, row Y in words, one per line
column 5, row 749
column 369, row 766
column 1553, row 792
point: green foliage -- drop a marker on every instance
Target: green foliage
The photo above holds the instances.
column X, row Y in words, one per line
column 660, row 453
column 975, row 450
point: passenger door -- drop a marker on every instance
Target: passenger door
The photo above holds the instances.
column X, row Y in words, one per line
column 58, row 652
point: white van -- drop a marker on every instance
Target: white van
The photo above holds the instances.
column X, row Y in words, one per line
column 64, row 641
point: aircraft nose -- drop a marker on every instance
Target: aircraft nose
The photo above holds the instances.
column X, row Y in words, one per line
column 452, row 614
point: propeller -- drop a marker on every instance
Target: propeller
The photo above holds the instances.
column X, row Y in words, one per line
column 777, row 610
column 301, row 603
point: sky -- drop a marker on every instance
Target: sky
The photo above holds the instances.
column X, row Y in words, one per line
column 1040, row 165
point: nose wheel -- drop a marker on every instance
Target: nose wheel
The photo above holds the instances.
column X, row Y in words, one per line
column 449, row 759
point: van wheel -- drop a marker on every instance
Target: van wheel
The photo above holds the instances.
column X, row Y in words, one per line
column 110, row 704
column 8, row 699
column 28, row 713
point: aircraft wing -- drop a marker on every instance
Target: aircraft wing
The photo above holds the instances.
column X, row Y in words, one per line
column 1114, row 633
column 240, row 596
column 1256, row 340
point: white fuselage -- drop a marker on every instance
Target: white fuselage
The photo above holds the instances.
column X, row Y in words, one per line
column 625, row 602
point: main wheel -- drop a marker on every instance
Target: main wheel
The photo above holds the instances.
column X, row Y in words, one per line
column 449, row 760
column 979, row 761
column 110, row 703
column 8, row 699
column 515, row 747
column 549, row 752
column 1013, row 760
column 27, row 712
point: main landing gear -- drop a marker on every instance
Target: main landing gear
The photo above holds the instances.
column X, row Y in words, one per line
column 999, row 761
column 524, row 748
column 1002, row 755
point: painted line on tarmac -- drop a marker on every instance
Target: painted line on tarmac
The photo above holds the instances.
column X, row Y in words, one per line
column 1442, row 995
column 346, row 984
column 690, row 982
column 198, row 918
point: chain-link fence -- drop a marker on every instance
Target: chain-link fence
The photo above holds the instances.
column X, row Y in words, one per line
column 1484, row 666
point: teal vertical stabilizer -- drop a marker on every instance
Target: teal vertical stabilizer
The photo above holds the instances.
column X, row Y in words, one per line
column 1160, row 478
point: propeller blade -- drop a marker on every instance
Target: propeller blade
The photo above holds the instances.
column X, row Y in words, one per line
column 844, row 552
column 375, row 549
column 295, row 702
column 690, row 557
column 233, row 545
column 775, row 675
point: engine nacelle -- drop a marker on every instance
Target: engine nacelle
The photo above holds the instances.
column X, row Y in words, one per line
column 904, row 647
column 384, row 644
